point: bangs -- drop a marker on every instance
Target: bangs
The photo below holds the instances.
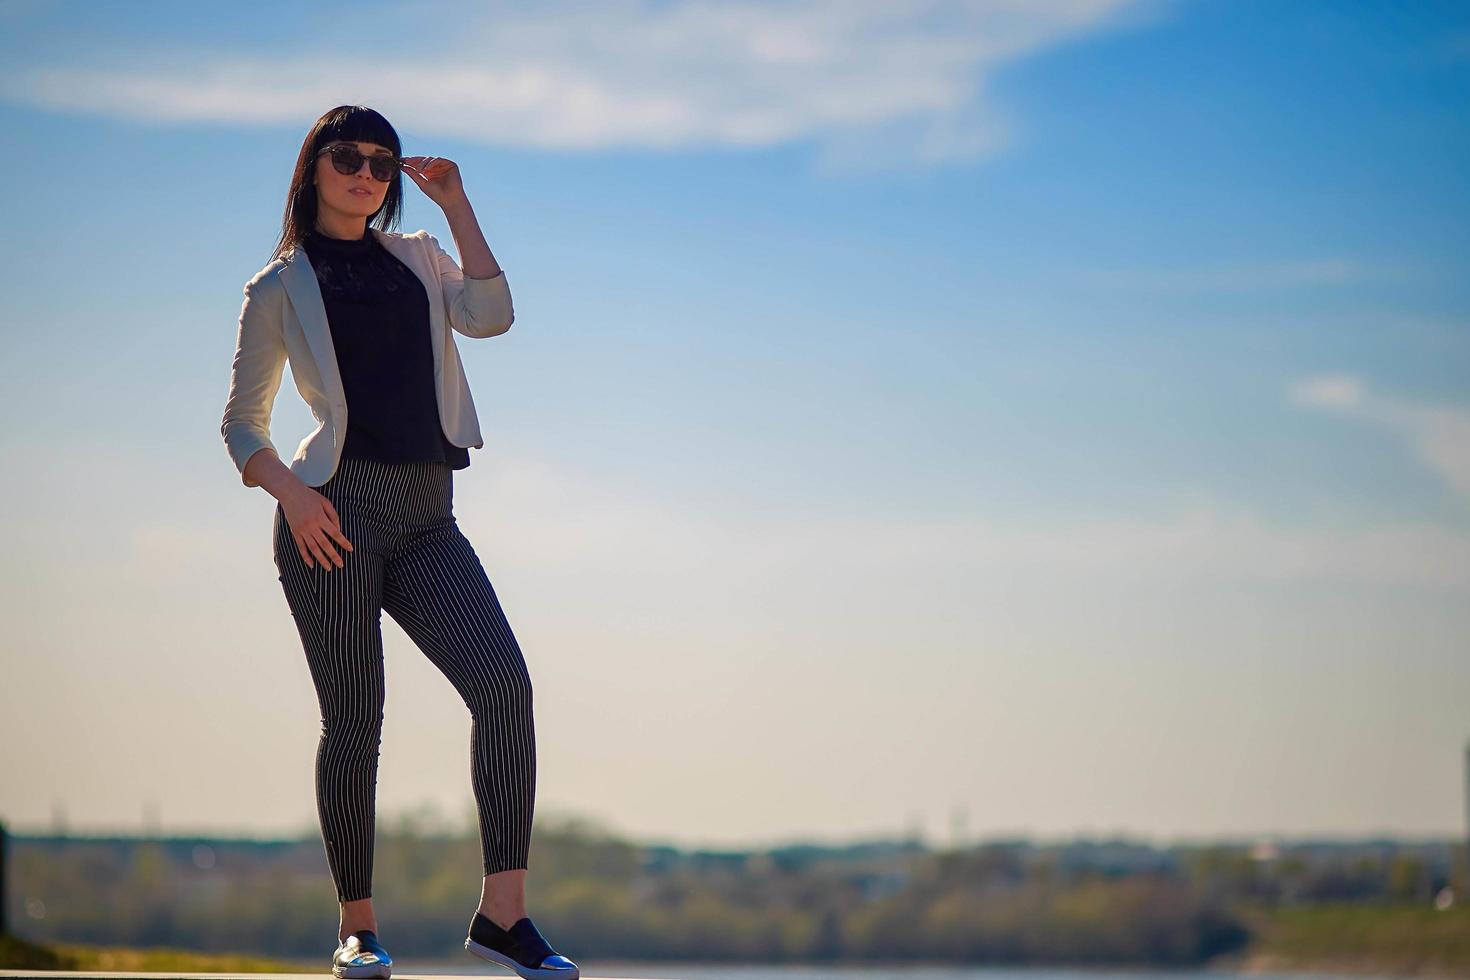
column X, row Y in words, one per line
column 359, row 124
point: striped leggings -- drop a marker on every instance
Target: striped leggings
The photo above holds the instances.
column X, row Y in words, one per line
column 410, row 558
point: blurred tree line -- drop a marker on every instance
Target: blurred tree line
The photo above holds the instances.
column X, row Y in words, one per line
column 1081, row 902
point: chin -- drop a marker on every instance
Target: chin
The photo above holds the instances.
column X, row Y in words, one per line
column 359, row 205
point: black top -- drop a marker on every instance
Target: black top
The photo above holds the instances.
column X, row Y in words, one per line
column 378, row 312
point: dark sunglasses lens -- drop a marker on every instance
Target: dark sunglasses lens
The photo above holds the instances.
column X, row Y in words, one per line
column 347, row 159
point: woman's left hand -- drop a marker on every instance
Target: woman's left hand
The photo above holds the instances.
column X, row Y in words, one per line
column 437, row 177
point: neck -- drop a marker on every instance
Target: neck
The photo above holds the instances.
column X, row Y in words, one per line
column 335, row 224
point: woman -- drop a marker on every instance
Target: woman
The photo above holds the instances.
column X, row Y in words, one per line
column 364, row 516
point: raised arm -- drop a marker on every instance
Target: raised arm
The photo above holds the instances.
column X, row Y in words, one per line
column 476, row 297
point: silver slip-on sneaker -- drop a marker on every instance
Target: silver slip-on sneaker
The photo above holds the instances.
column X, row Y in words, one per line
column 521, row 948
column 361, row 957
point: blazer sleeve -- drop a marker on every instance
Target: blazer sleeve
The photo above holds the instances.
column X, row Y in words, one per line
column 475, row 307
column 260, row 357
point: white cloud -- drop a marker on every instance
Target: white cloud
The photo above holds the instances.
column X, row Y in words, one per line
column 1329, row 392
column 856, row 77
column 1438, row 434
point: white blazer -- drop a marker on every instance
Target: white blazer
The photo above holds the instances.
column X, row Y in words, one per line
column 283, row 318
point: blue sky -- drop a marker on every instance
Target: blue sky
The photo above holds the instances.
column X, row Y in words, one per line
column 1054, row 412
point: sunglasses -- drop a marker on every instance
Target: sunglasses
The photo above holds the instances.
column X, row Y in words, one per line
column 347, row 159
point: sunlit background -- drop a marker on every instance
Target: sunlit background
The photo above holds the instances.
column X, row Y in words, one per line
column 946, row 419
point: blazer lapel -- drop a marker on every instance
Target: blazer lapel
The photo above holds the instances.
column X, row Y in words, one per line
column 299, row 279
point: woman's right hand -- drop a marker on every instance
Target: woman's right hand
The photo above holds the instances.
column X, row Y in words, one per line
column 314, row 526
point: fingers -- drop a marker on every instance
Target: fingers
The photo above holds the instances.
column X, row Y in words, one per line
column 334, row 524
column 428, row 167
column 417, row 177
column 317, row 544
column 314, row 538
column 431, row 173
column 324, row 547
column 311, row 552
column 326, row 555
column 339, row 537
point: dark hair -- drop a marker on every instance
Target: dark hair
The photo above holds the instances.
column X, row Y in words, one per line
column 350, row 123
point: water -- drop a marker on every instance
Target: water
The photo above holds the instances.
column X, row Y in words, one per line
column 705, row 971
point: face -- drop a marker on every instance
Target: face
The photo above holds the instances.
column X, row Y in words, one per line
column 359, row 194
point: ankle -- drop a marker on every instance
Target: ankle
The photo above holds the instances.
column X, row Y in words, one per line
column 347, row 929
column 502, row 915
column 354, row 916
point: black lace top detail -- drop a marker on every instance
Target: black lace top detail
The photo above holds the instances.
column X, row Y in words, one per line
column 378, row 312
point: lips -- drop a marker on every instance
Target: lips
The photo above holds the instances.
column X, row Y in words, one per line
column 360, row 190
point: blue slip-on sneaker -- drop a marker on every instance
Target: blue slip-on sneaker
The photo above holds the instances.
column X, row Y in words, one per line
column 361, row 957
column 522, row 948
